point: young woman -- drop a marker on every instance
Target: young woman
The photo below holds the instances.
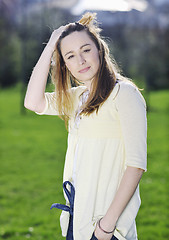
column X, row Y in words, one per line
column 106, row 115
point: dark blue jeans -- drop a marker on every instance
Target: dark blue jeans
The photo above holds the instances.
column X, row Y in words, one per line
column 71, row 195
column 95, row 238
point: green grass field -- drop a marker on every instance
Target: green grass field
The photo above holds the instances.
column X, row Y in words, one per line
column 32, row 150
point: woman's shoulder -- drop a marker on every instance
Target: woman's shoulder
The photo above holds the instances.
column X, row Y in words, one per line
column 127, row 85
column 122, row 87
column 127, row 89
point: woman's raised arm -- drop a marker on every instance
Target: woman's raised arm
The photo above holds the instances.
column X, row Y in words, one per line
column 35, row 99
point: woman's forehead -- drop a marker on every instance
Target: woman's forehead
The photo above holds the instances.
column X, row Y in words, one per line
column 75, row 40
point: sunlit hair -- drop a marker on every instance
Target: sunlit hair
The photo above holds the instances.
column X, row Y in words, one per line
column 103, row 82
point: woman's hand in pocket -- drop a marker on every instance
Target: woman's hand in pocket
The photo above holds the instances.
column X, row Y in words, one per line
column 101, row 235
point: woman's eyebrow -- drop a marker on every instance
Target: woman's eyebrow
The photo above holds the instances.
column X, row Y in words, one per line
column 87, row 44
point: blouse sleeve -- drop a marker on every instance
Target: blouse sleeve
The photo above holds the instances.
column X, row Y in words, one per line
column 50, row 105
column 131, row 108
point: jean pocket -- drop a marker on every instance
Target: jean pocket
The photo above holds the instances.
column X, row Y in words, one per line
column 114, row 238
column 93, row 237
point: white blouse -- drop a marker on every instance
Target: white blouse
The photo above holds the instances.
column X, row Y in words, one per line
column 102, row 145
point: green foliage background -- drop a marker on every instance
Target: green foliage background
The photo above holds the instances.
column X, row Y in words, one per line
column 32, row 152
column 140, row 50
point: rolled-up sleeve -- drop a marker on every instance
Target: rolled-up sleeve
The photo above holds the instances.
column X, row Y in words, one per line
column 131, row 108
column 50, row 105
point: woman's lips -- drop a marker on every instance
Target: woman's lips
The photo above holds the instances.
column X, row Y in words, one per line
column 84, row 70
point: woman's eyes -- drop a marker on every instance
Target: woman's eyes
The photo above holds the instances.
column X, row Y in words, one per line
column 85, row 51
column 71, row 56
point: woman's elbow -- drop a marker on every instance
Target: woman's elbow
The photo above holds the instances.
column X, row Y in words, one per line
column 35, row 107
column 136, row 171
column 29, row 105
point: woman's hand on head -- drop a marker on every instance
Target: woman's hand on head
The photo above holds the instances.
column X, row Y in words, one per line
column 55, row 36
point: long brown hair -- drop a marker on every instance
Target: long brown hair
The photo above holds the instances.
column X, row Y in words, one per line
column 103, row 82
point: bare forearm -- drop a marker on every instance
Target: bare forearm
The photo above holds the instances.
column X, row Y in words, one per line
column 34, row 99
column 128, row 185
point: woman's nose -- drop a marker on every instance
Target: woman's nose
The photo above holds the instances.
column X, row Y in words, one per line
column 81, row 59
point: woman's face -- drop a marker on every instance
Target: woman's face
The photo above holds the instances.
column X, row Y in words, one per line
column 81, row 56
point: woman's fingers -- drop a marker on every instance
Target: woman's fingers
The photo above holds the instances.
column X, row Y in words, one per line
column 55, row 36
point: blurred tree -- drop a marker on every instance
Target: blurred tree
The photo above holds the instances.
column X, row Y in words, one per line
column 35, row 36
column 10, row 46
column 143, row 54
column 141, row 51
column 23, row 32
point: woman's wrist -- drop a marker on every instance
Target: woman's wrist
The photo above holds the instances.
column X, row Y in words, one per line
column 107, row 223
column 50, row 48
column 104, row 230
